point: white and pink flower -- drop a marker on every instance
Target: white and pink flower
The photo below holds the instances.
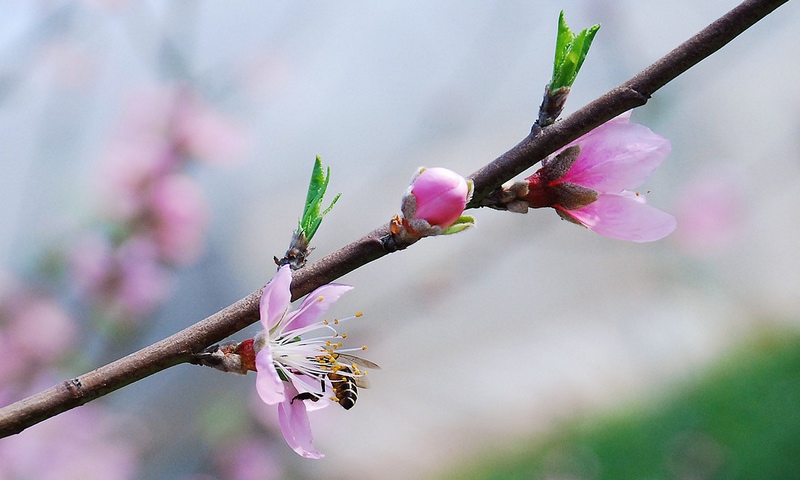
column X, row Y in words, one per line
column 292, row 370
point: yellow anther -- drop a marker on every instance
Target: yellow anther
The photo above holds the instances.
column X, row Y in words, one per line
column 344, row 335
column 359, row 314
column 336, row 321
column 325, row 322
column 364, row 347
column 321, row 298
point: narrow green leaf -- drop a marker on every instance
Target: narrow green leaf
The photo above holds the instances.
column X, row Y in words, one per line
column 571, row 51
column 563, row 39
column 312, row 218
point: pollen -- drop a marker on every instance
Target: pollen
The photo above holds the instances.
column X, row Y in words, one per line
column 320, row 298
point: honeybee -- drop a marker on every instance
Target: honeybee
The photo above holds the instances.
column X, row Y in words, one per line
column 344, row 380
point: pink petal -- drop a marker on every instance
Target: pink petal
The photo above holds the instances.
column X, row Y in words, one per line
column 296, row 429
column 276, row 298
column 625, row 218
column 617, row 156
column 315, row 305
column 269, row 385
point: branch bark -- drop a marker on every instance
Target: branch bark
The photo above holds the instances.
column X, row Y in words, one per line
column 180, row 347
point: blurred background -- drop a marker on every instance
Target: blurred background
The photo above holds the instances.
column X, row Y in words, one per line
column 156, row 157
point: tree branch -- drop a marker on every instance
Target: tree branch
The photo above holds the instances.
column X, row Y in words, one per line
column 180, row 347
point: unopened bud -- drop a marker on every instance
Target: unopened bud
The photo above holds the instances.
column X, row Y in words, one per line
column 433, row 204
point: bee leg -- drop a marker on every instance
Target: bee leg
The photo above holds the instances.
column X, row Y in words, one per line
column 305, row 396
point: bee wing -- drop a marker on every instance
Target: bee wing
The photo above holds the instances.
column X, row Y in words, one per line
column 361, row 362
column 361, row 381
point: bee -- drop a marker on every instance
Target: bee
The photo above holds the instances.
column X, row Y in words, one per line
column 345, row 380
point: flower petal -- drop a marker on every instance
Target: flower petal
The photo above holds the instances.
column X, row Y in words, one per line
column 314, row 306
column 269, row 385
column 625, row 218
column 276, row 298
column 617, row 156
column 296, row 429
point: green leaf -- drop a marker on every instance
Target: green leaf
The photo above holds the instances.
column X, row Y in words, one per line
column 571, row 51
column 312, row 217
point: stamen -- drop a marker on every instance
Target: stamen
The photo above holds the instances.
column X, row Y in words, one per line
column 359, row 314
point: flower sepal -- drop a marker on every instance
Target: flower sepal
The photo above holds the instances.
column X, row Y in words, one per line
column 229, row 357
column 464, row 222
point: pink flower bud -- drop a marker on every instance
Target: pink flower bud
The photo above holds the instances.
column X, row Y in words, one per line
column 437, row 196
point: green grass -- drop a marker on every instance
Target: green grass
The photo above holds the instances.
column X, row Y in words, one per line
column 739, row 420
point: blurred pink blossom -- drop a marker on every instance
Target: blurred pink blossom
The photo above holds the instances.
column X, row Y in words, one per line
column 71, row 65
column 206, row 134
column 709, row 212
column 91, row 263
column 181, row 216
column 127, row 281
column 40, row 329
column 157, row 215
column 125, row 176
column 79, row 444
column 35, row 332
column 248, row 458
column 142, row 281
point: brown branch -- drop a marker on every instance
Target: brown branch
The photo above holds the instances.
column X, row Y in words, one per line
column 180, row 347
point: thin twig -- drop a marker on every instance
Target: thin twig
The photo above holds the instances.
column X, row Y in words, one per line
column 180, row 347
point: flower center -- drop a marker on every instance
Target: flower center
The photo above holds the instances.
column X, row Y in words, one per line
column 317, row 359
